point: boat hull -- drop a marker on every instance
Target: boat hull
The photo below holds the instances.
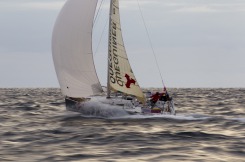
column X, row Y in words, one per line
column 104, row 107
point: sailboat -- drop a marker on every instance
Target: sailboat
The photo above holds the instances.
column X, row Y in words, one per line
column 75, row 69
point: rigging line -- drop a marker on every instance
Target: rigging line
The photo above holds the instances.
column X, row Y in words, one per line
column 97, row 15
column 98, row 11
column 101, row 36
column 151, row 43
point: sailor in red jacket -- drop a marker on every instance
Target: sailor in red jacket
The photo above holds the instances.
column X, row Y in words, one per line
column 155, row 98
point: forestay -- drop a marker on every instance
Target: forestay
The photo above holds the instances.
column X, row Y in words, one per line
column 120, row 76
column 72, row 49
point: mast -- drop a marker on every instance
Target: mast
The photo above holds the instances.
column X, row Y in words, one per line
column 108, row 70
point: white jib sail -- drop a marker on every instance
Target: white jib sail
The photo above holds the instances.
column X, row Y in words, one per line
column 121, row 77
column 72, row 49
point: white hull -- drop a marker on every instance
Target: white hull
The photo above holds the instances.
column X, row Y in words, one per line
column 104, row 107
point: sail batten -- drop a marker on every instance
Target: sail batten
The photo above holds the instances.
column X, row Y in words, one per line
column 120, row 75
column 72, row 49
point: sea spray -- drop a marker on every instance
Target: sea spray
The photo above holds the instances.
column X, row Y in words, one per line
column 98, row 109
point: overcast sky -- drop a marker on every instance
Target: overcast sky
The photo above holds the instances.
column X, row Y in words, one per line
column 198, row 43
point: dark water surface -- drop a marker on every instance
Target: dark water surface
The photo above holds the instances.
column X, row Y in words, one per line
column 209, row 126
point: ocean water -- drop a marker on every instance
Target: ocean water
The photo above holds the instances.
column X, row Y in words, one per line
column 209, row 126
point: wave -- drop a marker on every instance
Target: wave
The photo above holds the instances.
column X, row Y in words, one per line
column 238, row 119
column 187, row 117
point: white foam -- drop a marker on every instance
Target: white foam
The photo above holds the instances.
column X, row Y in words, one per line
column 166, row 116
column 98, row 109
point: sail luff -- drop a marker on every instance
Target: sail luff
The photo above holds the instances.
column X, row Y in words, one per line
column 121, row 76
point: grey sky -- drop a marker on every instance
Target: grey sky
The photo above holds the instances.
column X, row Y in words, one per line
column 198, row 43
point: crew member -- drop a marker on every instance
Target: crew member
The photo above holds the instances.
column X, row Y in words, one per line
column 155, row 98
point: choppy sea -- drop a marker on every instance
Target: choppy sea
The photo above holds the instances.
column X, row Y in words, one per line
column 209, row 126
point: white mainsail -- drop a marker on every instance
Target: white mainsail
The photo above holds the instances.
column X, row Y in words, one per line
column 120, row 75
column 72, row 49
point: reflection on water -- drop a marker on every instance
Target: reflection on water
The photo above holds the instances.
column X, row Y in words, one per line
column 209, row 126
